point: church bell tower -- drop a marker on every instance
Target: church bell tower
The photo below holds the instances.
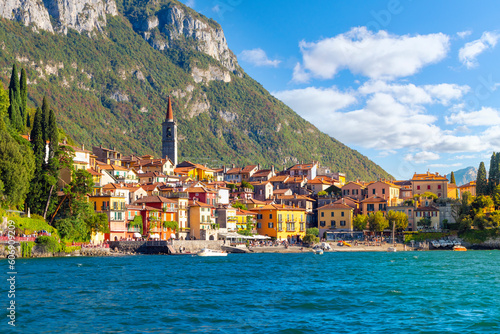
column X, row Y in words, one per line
column 169, row 138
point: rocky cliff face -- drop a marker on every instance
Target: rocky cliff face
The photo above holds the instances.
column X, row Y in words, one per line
column 176, row 24
column 81, row 15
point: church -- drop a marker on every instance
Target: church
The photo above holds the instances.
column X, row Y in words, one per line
column 169, row 137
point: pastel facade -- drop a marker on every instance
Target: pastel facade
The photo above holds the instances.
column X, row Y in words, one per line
column 354, row 190
column 468, row 187
column 434, row 183
column 202, row 221
column 281, row 222
column 335, row 217
column 386, row 190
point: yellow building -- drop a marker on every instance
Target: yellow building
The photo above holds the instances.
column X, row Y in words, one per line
column 336, row 217
column 468, row 187
column 195, row 171
column 452, row 191
column 281, row 222
column 113, row 205
column 202, row 221
column 243, row 218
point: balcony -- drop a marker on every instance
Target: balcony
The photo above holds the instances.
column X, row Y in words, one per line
column 176, row 195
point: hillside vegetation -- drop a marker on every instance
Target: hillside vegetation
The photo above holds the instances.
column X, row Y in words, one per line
column 111, row 89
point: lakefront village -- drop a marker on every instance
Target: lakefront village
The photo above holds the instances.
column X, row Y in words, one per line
column 178, row 204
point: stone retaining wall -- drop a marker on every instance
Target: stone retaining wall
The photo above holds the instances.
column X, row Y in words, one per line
column 193, row 246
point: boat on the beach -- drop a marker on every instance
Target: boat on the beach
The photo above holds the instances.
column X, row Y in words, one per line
column 391, row 249
column 459, row 248
column 318, row 251
column 211, row 252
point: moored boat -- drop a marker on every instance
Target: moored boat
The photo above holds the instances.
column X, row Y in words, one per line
column 459, row 248
column 391, row 249
column 318, row 251
column 211, row 252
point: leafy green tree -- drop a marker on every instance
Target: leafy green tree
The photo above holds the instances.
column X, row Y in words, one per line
column 310, row 239
column 481, row 203
column 4, row 102
column 480, row 222
column 23, row 92
column 322, row 193
column 495, row 219
column 424, row 222
column 245, row 184
column 377, row 222
column 313, row 231
column 495, row 196
column 399, row 218
column 239, row 205
column 481, row 181
column 452, row 178
column 464, row 223
column 16, row 168
column 360, row 222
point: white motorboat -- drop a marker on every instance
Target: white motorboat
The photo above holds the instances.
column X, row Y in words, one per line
column 211, row 252
column 318, row 251
column 391, row 249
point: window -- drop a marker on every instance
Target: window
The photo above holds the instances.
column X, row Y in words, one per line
column 373, row 191
column 342, row 223
column 280, row 226
column 370, row 207
column 322, row 223
column 322, row 213
column 259, row 225
column 381, row 207
column 333, row 223
column 418, row 187
column 439, row 186
column 333, row 214
column 259, row 216
column 280, row 217
column 270, row 225
column 270, row 216
column 429, row 187
column 342, row 214
column 383, row 191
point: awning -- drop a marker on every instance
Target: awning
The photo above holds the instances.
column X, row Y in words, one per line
column 137, row 235
column 155, row 236
column 172, row 236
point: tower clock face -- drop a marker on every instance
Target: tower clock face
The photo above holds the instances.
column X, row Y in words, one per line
column 169, row 132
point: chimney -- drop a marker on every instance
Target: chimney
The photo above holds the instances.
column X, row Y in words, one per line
column 83, row 146
column 258, row 166
column 143, row 206
column 233, row 165
column 272, row 169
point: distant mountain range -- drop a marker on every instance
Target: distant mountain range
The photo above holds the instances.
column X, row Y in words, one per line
column 463, row 176
column 107, row 67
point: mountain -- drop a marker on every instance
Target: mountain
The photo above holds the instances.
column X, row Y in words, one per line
column 464, row 176
column 107, row 68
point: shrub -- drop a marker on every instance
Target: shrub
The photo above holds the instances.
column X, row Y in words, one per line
column 49, row 244
column 310, row 239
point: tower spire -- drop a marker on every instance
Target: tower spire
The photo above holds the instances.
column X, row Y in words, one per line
column 170, row 113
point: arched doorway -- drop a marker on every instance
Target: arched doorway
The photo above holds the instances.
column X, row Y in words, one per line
column 211, row 238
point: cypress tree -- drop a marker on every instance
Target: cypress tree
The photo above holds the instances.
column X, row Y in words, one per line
column 37, row 140
column 452, row 178
column 28, row 120
column 14, row 84
column 45, row 119
column 492, row 174
column 53, row 134
column 14, row 113
column 481, row 181
column 23, row 95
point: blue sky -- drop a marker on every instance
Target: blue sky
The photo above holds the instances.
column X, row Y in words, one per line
column 413, row 85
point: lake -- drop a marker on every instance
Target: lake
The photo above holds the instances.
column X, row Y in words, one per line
column 418, row 292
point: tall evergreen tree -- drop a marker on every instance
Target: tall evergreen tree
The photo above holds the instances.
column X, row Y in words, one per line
column 481, row 181
column 53, row 134
column 493, row 173
column 14, row 84
column 452, row 178
column 37, row 140
column 14, row 112
column 23, row 96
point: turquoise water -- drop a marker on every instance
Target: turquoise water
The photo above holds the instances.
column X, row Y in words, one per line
column 418, row 292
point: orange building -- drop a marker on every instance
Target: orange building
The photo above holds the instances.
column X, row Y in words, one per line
column 434, row 183
column 468, row 187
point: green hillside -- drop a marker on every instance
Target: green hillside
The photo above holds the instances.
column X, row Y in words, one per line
column 111, row 89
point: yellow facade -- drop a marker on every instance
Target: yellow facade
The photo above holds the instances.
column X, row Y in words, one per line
column 335, row 216
column 280, row 221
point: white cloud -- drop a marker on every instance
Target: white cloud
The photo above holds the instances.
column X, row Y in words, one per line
column 377, row 55
column 463, row 34
column 463, row 157
column 413, row 95
column 484, row 117
column 315, row 103
column 458, row 164
column 469, row 52
column 190, row 3
column 422, row 157
column 216, row 9
column 258, row 57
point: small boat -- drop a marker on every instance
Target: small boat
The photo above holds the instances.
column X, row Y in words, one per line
column 459, row 248
column 346, row 244
column 211, row 252
column 391, row 249
column 318, row 251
